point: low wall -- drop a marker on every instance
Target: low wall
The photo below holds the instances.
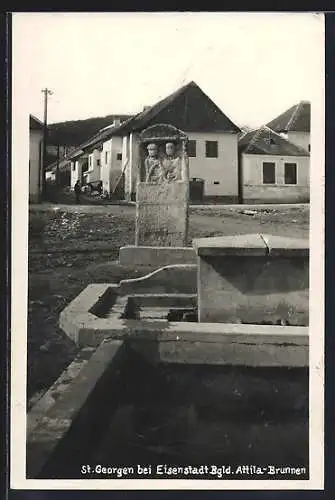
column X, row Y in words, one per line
column 275, row 194
column 156, row 256
column 52, row 434
column 178, row 278
column 253, row 279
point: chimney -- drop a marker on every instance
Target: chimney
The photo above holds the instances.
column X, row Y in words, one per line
column 116, row 122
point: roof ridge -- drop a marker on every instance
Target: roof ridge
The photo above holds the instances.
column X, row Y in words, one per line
column 282, row 140
column 176, row 92
column 294, row 115
column 254, row 138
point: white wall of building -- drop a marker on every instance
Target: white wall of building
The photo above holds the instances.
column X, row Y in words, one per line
column 302, row 139
column 220, row 174
column 75, row 174
column 35, row 165
column 94, row 169
column 106, row 163
column 126, row 166
column 117, row 162
column 132, row 147
column 254, row 190
column 111, row 163
column 77, row 170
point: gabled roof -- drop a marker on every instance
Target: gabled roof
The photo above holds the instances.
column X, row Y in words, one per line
column 295, row 119
column 99, row 137
column 265, row 141
column 35, row 123
column 188, row 108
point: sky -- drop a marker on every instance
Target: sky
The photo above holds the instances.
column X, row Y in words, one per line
column 252, row 65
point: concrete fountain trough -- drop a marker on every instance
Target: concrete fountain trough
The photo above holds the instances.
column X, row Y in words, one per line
column 180, row 367
column 134, row 402
column 256, row 280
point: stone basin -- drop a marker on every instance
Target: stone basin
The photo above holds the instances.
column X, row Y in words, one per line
column 123, row 408
column 162, row 388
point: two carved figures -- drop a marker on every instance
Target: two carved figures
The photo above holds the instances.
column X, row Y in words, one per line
column 165, row 160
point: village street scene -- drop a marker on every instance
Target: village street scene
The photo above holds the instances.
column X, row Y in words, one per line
column 168, row 248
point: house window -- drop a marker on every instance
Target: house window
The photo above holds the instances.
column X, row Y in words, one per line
column 309, row 148
column 119, row 156
column 216, row 182
column 192, row 149
column 290, row 173
column 106, row 156
column 73, row 167
column 269, row 173
column 90, row 161
column 211, row 149
column 98, row 162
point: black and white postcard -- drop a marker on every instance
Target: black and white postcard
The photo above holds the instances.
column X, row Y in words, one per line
column 167, row 239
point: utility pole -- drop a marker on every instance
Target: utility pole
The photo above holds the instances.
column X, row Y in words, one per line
column 46, row 92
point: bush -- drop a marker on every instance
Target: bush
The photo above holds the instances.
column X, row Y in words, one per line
column 36, row 225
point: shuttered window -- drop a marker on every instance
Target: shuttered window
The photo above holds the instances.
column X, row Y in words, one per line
column 290, row 173
column 192, row 149
column 269, row 173
column 211, row 149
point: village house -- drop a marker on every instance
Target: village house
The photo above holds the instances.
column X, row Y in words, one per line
column 272, row 169
column 212, row 147
column 295, row 124
column 98, row 159
column 35, row 159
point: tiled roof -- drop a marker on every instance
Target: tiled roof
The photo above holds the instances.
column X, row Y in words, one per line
column 35, row 123
column 102, row 135
column 188, row 109
column 265, row 141
column 99, row 137
column 295, row 119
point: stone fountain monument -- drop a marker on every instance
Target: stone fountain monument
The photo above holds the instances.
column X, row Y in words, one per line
column 163, row 188
column 162, row 200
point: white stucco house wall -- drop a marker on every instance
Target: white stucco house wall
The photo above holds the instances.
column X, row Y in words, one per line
column 220, row 170
column 272, row 169
column 35, row 159
column 111, row 163
column 79, row 165
column 99, row 159
column 295, row 124
column 85, row 167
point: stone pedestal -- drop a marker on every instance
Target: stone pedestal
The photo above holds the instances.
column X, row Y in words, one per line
column 162, row 214
column 253, row 279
